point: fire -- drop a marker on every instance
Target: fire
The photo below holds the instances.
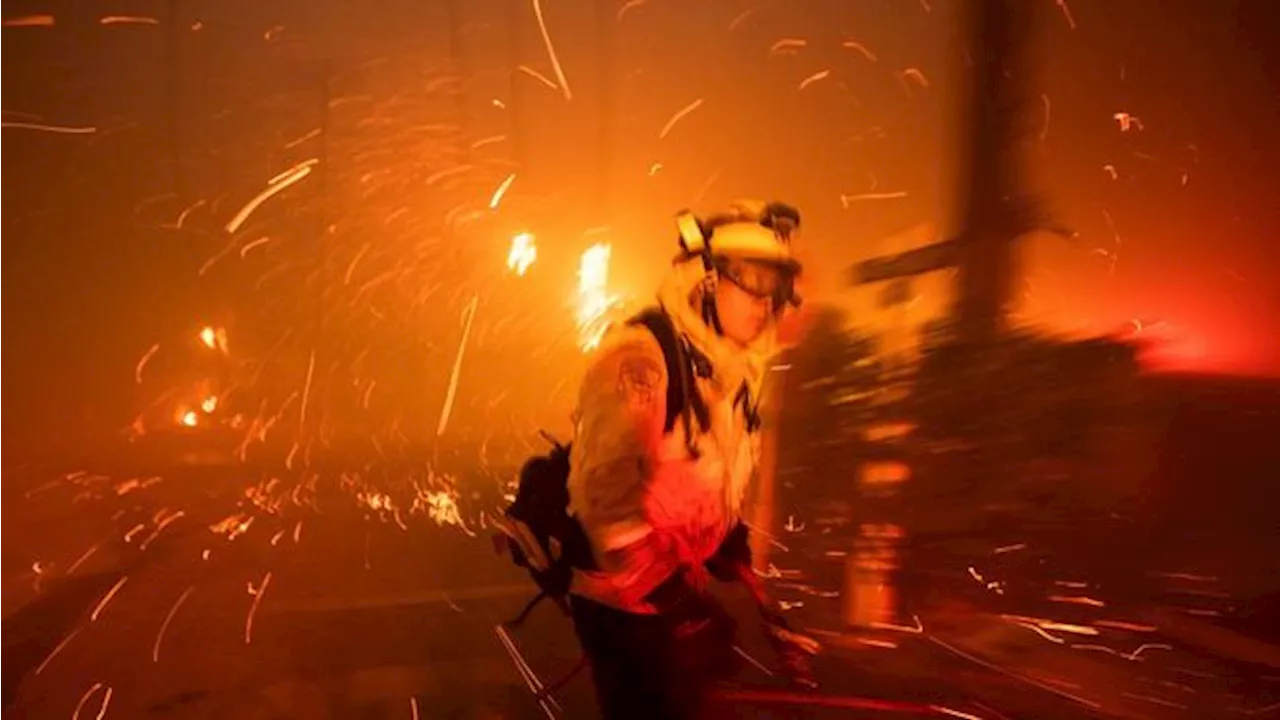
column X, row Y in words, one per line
column 210, row 404
column 593, row 298
column 213, row 338
column 442, row 507
column 1127, row 121
column 189, row 418
column 378, row 501
column 523, row 253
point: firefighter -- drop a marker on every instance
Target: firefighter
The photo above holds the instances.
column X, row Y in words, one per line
column 660, row 493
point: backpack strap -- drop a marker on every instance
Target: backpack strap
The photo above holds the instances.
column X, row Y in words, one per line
column 682, row 396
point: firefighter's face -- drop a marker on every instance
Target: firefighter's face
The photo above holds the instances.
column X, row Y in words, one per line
column 745, row 299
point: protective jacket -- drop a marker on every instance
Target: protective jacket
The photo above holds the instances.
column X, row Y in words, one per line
column 654, row 503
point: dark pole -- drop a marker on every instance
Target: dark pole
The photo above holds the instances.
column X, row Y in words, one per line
column 995, row 202
column 997, row 207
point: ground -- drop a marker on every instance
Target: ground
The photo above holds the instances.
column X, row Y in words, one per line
column 336, row 610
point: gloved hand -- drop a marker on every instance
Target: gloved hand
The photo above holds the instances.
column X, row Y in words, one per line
column 794, row 652
column 705, row 635
column 732, row 562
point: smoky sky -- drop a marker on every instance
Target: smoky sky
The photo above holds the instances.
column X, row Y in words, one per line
column 1156, row 148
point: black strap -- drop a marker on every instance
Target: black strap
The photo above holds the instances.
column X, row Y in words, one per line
column 682, row 395
column 750, row 408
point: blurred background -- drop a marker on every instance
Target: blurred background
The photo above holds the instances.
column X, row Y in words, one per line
column 293, row 286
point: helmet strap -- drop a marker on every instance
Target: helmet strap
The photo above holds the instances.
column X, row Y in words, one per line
column 709, row 314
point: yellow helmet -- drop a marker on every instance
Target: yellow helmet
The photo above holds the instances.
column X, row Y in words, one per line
column 754, row 242
column 751, row 230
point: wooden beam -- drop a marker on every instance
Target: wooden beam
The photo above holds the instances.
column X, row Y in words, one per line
column 919, row 261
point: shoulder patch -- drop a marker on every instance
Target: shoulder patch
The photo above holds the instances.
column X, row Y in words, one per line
column 640, row 380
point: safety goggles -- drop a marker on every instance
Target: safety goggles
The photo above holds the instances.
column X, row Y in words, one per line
column 764, row 281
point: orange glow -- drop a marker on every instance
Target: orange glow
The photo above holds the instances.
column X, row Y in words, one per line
column 189, row 418
column 886, row 472
column 210, row 404
column 887, row 431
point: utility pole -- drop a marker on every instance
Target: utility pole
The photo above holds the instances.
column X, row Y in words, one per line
column 996, row 208
column 995, row 204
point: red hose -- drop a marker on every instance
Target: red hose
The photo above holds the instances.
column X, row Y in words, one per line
column 844, row 702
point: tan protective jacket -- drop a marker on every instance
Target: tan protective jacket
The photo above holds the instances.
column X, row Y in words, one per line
column 631, row 485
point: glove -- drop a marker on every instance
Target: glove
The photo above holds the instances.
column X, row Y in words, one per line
column 732, row 562
column 704, row 635
column 794, row 652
